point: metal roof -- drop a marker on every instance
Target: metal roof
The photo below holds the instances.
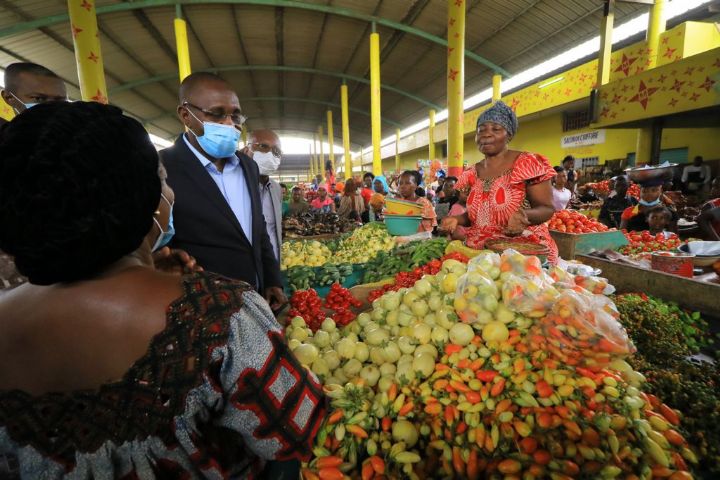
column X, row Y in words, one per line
column 287, row 58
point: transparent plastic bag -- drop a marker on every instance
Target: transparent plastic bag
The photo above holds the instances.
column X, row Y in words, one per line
column 529, row 295
column 582, row 330
column 515, row 263
column 476, row 297
column 487, row 262
column 596, row 285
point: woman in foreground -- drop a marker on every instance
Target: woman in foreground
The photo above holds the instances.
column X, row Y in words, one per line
column 109, row 368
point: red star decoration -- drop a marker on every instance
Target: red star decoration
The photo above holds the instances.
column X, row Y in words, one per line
column 515, row 104
column 616, row 99
column 92, row 57
column 673, row 102
column 625, row 64
column 669, row 52
column 450, row 50
column 99, row 97
column 568, row 91
column 75, row 30
column 458, row 3
column 86, row 5
column 625, row 88
column 605, row 111
column 708, row 84
column 648, row 62
column 689, row 71
column 458, row 156
column 665, row 40
column 604, row 95
column 717, row 63
column 694, row 97
column 451, row 22
column 643, row 95
column 457, row 35
column 662, row 78
column 453, row 74
column 613, row 115
column 701, row 69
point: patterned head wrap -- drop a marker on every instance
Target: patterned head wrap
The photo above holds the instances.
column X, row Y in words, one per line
column 501, row 114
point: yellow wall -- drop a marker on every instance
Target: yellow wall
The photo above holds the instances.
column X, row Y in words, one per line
column 543, row 136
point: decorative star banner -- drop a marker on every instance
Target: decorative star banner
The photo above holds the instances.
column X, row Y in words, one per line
column 689, row 84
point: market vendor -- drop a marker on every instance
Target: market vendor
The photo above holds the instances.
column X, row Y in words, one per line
column 408, row 190
column 616, row 203
column 509, row 192
column 297, row 203
column 323, row 203
column 634, row 219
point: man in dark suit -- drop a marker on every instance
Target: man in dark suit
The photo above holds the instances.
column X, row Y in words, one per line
column 217, row 214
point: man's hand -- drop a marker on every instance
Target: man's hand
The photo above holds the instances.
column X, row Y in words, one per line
column 517, row 223
column 275, row 297
column 175, row 261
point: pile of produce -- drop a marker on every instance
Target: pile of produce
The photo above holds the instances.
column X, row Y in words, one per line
column 308, row 305
column 303, row 253
column 603, row 188
column 315, row 223
column 645, row 241
column 665, row 335
column 531, row 383
column 574, row 222
column 403, row 258
column 364, row 244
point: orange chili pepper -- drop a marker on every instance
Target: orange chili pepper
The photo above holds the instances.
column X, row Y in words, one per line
column 451, row 348
column 473, row 397
column 386, row 424
column 497, row 388
column 458, row 464
column 335, row 417
column 357, row 430
column 405, row 409
column 670, row 414
column 331, row 474
column 378, row 464
column 329, row 462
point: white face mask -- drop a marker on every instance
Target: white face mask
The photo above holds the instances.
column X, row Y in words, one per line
column 267, row 162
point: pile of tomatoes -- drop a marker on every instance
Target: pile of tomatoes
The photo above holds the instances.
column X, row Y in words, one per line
column 603, row 188
column 340, row 300
column 645, row 241
column 574, row 222
column 308, row 305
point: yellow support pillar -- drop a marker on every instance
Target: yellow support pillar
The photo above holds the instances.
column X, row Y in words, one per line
column 315, row 155
column 331, row 141
column 181, row 44
column 606, row 28
column 497, row 87
column 656, row 26
column 456, row 85
column 397, row 150
column 311, row 156
column 431, row 135
column 321, row 164
column 375, row 101
column 243, row 132
column 345, row 129
column 88, row 56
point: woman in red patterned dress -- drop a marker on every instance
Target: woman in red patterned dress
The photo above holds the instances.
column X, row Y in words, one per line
column 509, row 192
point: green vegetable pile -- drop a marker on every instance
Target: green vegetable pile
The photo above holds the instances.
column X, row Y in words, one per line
column 665, row 337
column 300, row 278
column 329, row 274
column 404, row 258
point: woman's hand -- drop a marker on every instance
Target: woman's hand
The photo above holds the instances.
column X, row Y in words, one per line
column 448, row 225
column 517, row 223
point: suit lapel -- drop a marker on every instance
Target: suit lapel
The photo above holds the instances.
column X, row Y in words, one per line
column 207, row 186
column 253, row 185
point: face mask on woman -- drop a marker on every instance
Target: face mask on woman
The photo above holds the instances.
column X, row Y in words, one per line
column 218, row 141
column 165, row 236
column 267, row 162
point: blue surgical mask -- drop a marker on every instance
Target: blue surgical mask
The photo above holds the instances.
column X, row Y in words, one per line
column 218, row 141
column 27, row 106
column 649, row 204
column 165, row 236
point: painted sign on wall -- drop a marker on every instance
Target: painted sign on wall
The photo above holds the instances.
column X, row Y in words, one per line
column 582, row 139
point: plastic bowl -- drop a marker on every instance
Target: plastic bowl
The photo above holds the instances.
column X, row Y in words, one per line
column 645, row 174
column 394, row 206
column 400, row 225
column 701, row 260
